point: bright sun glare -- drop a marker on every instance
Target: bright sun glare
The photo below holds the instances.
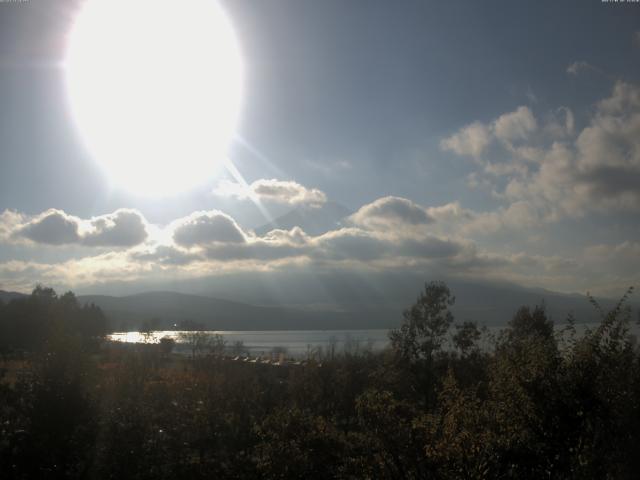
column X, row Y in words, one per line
column 155, row 87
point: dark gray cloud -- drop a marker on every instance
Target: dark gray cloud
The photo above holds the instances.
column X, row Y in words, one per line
column 352, row 244
column 612, row 182
column 275, row 245
column 430, row 247
column 259, row 250
column 608, row 151
column 204, row 228
column 364, row 246
column 53, row 227
column 123, row 228
column 216, row 236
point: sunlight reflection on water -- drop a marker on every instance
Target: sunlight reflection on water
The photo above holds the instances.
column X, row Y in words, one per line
column 301, row 342
column 295, row 342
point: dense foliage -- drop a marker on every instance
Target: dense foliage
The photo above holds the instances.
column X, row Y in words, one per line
column 32, row 323
column 441, row 402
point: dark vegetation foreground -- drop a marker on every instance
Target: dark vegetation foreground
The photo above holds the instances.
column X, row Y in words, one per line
column 533, row 402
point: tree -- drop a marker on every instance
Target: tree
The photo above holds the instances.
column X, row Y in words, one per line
column 298, row 444
column 466, row 337
column 45, row 295
column 425, row 324
column 202, row 342
column 526, row 323
column 29, row 323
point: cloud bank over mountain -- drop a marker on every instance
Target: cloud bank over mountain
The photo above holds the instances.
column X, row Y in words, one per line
column 272, row 190
column 540, row 169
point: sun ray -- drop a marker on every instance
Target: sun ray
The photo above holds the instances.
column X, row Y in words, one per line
column 237, row 176
column 259, row 155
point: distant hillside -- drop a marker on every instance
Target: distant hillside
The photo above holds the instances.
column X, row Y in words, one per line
column 170, row 308
column 300, row 301
column 330, row 303
column 313, row 220
column 388, row 293
column 6, row 297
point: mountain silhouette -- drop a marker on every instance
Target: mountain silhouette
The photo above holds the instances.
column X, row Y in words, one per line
column 326, row 303
column 6, row 297
column 313, row 220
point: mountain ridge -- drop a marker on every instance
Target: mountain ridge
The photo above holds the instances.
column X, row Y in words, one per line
column 362, row 305
column 313, row 220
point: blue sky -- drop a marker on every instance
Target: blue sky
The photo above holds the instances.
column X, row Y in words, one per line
column 491, row 140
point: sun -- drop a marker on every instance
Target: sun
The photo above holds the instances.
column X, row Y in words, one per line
column 155, row 87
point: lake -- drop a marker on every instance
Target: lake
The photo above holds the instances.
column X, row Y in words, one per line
column 296, row 343
column 301, row 343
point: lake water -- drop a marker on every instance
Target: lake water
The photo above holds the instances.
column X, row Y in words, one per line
column 295, row 342
column 301, row 343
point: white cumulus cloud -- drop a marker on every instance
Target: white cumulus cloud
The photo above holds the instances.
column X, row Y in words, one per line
column 273, row 190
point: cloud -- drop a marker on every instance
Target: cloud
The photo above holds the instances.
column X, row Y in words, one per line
column 87, row 271
column 612, row 268
column 389, row 231
column 450, row 212
column 276, row 245
column 516, row 125
column 471, row 140
column 625, row 256
column 624, row 98
column 603, row 167
column 343, row 248
column 541, row 170
column 576, row 67
column 560, row 124
column 260, row 251
column 388, row 234
column 557, row 172
column 287, row 192
column 390, row 212
column 123, row 228
column 272, row 190
column 351, row 244
column 53, row 227
column 22, row 276
column 9, row 220
column 517, row 216
column 166, row 255
column 453, row 219
column 431, row 247
column 204, row 228
column 346, row 250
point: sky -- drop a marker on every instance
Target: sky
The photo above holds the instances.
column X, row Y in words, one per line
column 492, row 141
